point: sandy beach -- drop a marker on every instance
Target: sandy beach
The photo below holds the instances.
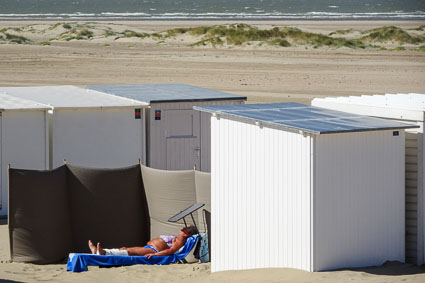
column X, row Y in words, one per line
column 262, row 72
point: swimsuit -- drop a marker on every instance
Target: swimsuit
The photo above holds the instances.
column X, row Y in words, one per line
column 150, row 247
column 168, row 239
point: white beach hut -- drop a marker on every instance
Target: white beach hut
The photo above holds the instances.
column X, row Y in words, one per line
column 23, row 139
column 178, row 137
column 409, row 108
column 303, row 187
column 89, row 128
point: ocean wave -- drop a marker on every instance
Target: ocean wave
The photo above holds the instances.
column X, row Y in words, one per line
column 217, row 16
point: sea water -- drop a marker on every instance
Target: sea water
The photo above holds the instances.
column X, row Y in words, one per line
column 213, row 9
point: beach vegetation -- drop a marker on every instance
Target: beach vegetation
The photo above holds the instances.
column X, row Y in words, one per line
column 109, row 32
column 16, row 38
column 391, row 34
column 130, row 33
column 106, row 45
column 341, row 32
column 421, row 48
column 214, row 41
column 419, row 28
column 3, row 30
column 85, row 33
column 400, row 48
column 66, row 26
column 44, row 43
column 239, row 34
column 280, row 42
column 55, row 26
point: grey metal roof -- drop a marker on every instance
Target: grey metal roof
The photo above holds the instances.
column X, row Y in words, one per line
column 67, row 97
column 162, row 93
column 8, row 102
column 304, row 117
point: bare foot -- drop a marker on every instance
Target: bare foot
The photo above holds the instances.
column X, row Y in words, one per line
column 100, row 250
column 92, row 247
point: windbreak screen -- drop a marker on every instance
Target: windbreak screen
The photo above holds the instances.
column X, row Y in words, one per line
column 203, row 194
column 108, row 206
column 168, row 192
column 39, row 216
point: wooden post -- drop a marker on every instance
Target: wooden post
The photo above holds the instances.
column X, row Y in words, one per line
column 194, row 166
column 8, row 166
column 64, row 162
column 138, row 161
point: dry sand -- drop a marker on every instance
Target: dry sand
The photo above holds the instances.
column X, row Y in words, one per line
column 264, row 74
column 261, row 73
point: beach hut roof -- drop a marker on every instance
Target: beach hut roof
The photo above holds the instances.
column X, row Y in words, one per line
column 8, row 102
column 163, row 93
column 69, row 97
column 408, row 101
column 302, row 117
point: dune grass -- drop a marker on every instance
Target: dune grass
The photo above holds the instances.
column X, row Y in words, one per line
column 391, row 34
column 239, row 34
column 12, row 38
column 383, row 38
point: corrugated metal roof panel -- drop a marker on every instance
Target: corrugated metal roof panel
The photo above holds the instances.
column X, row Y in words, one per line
column 70, row 97
column 408, row 101
column 8, row 102
column 305, row 118
column 161, row 93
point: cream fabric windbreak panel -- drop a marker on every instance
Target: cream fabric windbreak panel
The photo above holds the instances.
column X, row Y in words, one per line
column 358, row 209
column 168, row 193
column 203, row 195
column 260, row 197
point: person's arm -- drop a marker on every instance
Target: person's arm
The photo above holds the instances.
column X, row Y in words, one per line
column 177, row 244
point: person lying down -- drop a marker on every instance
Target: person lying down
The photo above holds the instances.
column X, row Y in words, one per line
column 162, row 246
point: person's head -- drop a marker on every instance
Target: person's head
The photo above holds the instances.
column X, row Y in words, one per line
column 189, row 231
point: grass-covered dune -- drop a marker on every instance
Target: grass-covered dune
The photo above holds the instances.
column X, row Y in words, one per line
column 383, row 38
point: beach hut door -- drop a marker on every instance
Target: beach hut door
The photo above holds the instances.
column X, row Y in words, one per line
column 182, row 139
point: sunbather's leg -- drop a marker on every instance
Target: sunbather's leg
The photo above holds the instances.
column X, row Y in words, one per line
column 100, row 251
column 92, row 247
column 139, row 251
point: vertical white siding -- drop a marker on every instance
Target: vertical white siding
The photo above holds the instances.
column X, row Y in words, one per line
column 206, row 132
column 161, row 158
column 22, row 144
column 358, row 199
column 100, row 138
column 260, row 197
column 411, row 179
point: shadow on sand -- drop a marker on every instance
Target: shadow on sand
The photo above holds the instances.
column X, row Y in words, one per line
column 393, row 268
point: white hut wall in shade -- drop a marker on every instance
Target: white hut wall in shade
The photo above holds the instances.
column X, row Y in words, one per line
column 408, row 108
column 23, row 139
column 89, row 128
column 178, row 137
column 288, row 190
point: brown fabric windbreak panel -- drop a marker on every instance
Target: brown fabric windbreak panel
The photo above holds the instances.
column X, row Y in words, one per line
column 168, row 193
column 39, row 218
column 203, row 194
column 108, row 206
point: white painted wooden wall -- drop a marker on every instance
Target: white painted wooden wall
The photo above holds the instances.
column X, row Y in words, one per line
column 180, row 141
column 23, row 144
column 260, row 197
column 358, row 199
column 415, row 159
column 283, row 199
column 104, row 138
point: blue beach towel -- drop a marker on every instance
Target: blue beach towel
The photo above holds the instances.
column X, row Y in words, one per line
column 79, row 262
